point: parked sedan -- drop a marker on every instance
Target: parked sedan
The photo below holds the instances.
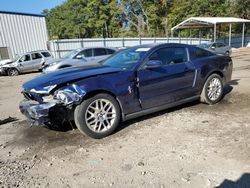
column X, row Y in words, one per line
column 78, row 57
column 217, row 47
column 133, row 82
column 31, row 61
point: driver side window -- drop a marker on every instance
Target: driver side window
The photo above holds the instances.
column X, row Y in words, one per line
column 25, row 58
column 170, row 55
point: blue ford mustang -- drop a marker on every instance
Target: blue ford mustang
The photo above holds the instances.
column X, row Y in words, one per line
column 133, row 82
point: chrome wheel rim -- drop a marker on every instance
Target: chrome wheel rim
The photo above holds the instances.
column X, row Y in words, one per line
column 13, row 72
column 214, row 89
column 100, row 115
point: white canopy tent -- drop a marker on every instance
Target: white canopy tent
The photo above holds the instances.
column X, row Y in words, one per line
column 212, row 22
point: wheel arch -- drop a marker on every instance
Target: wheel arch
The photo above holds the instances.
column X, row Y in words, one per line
column 64, row 66
column 98, row 91
column 9, row 68
column 218, row 72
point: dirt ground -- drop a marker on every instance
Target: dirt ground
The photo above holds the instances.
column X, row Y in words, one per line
column 194, row 145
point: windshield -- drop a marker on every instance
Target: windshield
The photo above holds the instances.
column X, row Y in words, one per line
column 126, row 59
column 71, row 54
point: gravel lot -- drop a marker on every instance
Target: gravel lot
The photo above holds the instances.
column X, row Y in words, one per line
column 194, row 145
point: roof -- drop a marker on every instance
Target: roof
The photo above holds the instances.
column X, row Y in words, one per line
column 21, row 13
column 201, row 22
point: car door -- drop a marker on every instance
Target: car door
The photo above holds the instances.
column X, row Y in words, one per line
column 36, row 59
column 99, row 54
column 171, row 82
column 25, row 63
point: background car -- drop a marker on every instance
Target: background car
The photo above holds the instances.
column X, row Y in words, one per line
column 31, row 61
column 78, row 57
column 131, row 83
column 217, row 47
column 5, row 61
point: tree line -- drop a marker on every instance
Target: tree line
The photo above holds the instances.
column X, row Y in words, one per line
column 133, row 18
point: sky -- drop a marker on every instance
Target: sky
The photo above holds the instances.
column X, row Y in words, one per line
column 28, row 6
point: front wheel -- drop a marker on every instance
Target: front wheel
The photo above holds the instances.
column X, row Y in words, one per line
column 98, row 116
column 13, row 72
column 212, row 90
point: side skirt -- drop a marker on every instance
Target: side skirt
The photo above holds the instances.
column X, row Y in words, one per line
column 159, row 108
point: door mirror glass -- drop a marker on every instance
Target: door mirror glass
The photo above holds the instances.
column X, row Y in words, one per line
column 80, row 56
column 152, row 64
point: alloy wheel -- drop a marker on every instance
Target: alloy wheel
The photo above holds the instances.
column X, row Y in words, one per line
column 214, row 89
column 100, row 115
column 13, row 72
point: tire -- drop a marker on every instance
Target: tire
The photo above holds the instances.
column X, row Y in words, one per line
column 95, row 121
column 13, row 72
column 212, row 91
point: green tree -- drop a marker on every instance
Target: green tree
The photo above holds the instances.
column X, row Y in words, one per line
column 241, row 8
column 84, row 18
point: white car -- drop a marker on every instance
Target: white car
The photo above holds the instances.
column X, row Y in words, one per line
column 79, row 57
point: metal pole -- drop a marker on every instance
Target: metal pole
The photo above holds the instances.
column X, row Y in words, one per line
column 214, row 32
column 243, row 34
column 230, row 34
column 199, row 36
column 190, row 36
column 179, row 36
column 58, row 49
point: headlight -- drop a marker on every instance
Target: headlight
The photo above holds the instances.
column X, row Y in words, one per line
column 72, row 94
column 67, row 97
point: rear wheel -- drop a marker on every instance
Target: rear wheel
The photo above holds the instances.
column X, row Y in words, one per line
column 98, row 116
column 212, row 90
column 13, row 72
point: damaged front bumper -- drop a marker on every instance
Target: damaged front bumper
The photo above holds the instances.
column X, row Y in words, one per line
column 36, row 113
column 40, row 108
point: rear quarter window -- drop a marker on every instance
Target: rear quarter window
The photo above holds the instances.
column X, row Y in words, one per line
column 110, row 51
column 200, row 53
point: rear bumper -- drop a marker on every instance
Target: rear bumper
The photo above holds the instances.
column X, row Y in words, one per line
column 36, row 113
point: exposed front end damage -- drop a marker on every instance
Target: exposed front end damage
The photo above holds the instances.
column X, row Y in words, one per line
column 41, row 106
column 35, row 113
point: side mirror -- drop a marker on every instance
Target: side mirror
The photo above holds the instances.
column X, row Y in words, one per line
column 79, row 56
column 212, row 47
column 152, row 64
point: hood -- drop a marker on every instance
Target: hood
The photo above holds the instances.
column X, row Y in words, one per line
column 71, row 61
column 10, row 64
column 5, row 62
column 52, row 60
column 45, row 83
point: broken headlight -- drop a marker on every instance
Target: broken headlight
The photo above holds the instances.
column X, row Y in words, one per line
column 72, row 94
